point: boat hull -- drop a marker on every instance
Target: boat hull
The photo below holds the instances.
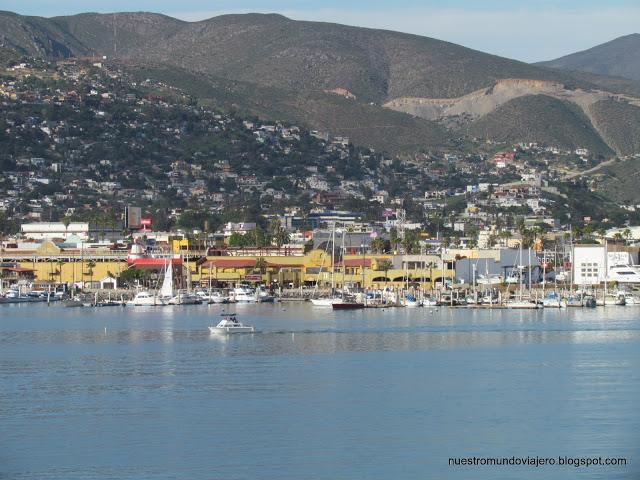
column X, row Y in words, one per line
column 229, row 330
column 347, row 306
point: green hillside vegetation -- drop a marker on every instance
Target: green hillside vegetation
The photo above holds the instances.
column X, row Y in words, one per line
column 281, row 69
column 272, row 50
column 363, row 123
column 613, row 114
column 542, row 119
column 619, row 57
column 619, row 182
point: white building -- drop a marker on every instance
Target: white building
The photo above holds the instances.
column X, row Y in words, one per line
column 54, row 230
column 241, row 228
column 592, row 266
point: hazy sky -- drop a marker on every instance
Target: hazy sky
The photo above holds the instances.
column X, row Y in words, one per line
column 526, row 30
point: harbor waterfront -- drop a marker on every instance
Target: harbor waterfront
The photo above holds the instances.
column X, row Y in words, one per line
column 315, row 393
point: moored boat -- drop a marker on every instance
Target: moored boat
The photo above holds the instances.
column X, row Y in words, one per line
column 146, row 299
column 346, row 305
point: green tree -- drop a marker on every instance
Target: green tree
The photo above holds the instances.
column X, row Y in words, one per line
column 261, row 265
column 237, row 240
column 91, row 265
column 411, row 243
column 66, row 221
column 385, row 266
column 278, row 233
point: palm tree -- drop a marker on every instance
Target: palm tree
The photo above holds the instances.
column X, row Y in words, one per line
column 261, row 265
column 627, row 234
column 431, row 266
column 66, row 221
column 377, row 245
column 91, row 265
column 278, row 233
column 395, row 240
column 60, row 263
column 385, row 266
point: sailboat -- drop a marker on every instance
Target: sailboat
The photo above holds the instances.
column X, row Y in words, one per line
column 148, row 299
column 519, row 302
column 328, row 301
column 344, row 303
column 176, row 297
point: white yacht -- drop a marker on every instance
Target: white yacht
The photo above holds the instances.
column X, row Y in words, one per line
column 244, row 295
column 489, row 280
column 230, row 324
column 411, row 301
column 264, row 296
column 146, row 299
column 218, row 297
column 430, row 302
column 611, row 299
column 629, row 297
column 624, row 274
column 554, row 300
column 183, row 297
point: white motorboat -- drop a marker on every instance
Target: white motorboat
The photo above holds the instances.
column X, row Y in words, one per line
column 489, row 280
column 230, row 324
column 264, row 296
column 411, row 301
column 325, row 302
column 146, row 299
column 430, row 302
column 629, row 297
column 611, row 299
column 218, row 297
column 522, row 304
column 185, row 298
column 553, row 300
column 244, row 295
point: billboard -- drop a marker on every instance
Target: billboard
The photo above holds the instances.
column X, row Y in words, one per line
column 132, row 217
column 146, row 222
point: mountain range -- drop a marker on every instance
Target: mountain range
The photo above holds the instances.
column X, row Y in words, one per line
column 619, row 58
column 388, row 90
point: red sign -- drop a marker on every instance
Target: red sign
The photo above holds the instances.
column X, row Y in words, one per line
column 147, row 222
column 253, row 278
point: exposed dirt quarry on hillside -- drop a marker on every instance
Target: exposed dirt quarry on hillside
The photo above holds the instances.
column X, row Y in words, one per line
column 482, row 102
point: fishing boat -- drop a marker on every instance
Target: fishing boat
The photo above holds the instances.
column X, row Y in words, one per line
column 230, row 324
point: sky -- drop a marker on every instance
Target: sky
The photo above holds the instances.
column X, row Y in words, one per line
column 530, row 30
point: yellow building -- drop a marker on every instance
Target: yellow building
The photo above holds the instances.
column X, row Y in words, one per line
column 315, row 267
column 52, row 264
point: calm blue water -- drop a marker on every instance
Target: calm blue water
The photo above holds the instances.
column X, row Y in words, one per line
column 316, row 395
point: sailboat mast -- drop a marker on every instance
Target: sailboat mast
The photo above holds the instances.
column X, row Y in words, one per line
column 333, row 255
